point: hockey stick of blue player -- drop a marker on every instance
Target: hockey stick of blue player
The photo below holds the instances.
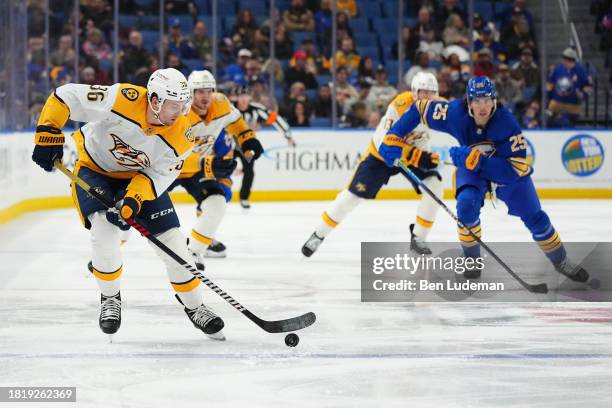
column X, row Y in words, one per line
column 537, row 288
column 277, row 326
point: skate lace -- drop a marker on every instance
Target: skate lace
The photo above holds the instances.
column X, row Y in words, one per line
column 202, row 315
column 111, row 309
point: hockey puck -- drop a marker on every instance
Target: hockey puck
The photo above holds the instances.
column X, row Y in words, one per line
column 292, row 340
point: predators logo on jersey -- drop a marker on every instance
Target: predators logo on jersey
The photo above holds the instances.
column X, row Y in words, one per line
column 204, row 144
column 127, row 156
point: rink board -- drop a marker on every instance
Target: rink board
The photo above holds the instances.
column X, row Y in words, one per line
column 568, row 164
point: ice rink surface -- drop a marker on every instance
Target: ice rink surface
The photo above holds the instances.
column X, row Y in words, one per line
column 355, row 355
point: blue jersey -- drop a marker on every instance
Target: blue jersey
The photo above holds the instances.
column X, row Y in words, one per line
column 566, row 82
column 501, row 139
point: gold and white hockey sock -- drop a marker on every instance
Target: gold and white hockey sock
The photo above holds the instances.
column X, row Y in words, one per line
column 183, row 282
column 427, row 209
column 105, row 253
column 206, row 225
column 344, row 203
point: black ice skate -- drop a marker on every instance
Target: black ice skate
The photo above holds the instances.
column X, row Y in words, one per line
column 419, row 247
column 205, row 319
column 473, row 273
column 312, row 244
column 198, row 259
column 216, row 250
column 573, row 271
column 110, row 313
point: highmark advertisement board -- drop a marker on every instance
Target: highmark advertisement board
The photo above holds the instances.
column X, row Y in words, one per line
column 567, row 163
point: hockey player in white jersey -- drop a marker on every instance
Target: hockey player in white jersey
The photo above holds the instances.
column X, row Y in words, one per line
column 372, row 173
column 130, row 150
column 206, row 174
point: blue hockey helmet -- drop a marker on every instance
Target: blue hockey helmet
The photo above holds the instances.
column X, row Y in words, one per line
column 481, row 87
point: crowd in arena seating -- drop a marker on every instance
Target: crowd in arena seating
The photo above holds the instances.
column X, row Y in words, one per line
column 602, row 10
column 435, row 38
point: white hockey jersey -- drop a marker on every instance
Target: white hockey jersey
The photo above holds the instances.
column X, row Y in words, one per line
column 117, row 141
column 400, row 104
column 221, row 115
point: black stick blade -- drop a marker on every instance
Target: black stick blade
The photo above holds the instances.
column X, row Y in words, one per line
column 283, row 326
column 540, row 288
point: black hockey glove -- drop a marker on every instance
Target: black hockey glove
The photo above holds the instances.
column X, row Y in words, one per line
column 253, row 145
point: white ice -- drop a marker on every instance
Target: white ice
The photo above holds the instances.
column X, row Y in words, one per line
column 355, row 355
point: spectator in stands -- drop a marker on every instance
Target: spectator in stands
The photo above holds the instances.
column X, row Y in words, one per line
column 261, row 42
column 64, row 53
column 88, row 76
column 365, row 71
column 518, row 10
column 181, row 7
column 454, row 88
column 422, row 65
column 486, row 40
column 347, row 6
column 297, row 93
column 567, row 86
column 141, row 77
column 253, row 72
column 298, row 17
column 484, row 63
column 479, row 24
column 283, row 43
column 447, row 9
column 516, row 37
column 347, row 56
column 98, row 11
column 424, row 29
column 346, row 94
column 411, row 44
column 299, row 72
column 236, row 72
column 323, row 18
column 298, row 117
column 177, row 44
column 508, row 89
column 455, row 32
column 96, row 47
column 357, row 117
column 531, row 117
column 526, row 71
column 174, row 61
column 313, row 59
column 322, row 105
column 201, row 42
column 381, row 92
column 272, row 67
column 134, row 56
column 459, row 71
column 245, row 27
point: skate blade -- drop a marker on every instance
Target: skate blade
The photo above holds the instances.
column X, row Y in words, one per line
column 110, row 338
column 218, row 336
column 210, row 254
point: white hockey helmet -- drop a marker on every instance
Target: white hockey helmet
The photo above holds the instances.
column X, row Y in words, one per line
column 168, row 84
column 424, row 81
column 201, row 80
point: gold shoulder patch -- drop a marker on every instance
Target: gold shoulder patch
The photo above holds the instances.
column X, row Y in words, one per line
column 130, row 94
column 189, row 135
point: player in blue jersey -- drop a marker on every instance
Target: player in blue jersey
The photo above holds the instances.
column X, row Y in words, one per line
column 491, row 157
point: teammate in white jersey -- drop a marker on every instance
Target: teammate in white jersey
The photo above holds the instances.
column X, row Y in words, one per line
column 206, row 174
column 131, row 149
column 372, row 172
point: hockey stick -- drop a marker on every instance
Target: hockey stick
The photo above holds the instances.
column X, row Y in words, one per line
column 277, row 326
column 537, row 288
